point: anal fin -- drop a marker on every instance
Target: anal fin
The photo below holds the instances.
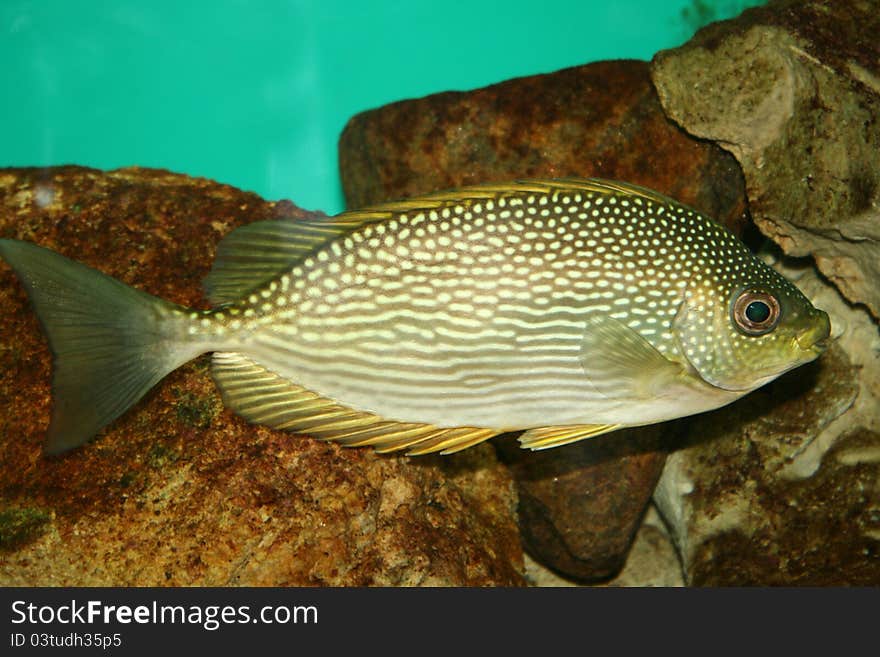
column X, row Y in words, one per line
column 263, row 397
column 547, row 437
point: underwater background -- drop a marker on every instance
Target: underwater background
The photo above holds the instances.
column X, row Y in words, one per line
column 256, row 94
column 768, row 123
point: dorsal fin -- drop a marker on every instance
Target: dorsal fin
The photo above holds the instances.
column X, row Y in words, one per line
column 256, row 253
column 601, row 186
column 494, row 190
column 251, row 255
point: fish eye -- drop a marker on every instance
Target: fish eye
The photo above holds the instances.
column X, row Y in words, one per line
column 755, row 313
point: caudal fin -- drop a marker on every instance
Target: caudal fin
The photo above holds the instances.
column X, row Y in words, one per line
column 111, row 343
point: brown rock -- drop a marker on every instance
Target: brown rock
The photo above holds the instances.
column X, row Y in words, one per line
column 601, row 120
column 180, row 491
column 792, row 89
column 825, row 531
column 738, row 514
column 652, row 561
column 782, row 488
column 580, row 505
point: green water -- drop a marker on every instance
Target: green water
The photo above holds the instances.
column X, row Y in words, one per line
column 255, row 93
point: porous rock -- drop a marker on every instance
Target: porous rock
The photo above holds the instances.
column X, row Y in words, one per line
column 180, row 491
column 580, row 505
column 792, row 90
column 602, row 119
column 784, row 486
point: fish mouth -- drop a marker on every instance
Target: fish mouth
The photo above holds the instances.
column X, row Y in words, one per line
column 822, row 344
column 817, row 338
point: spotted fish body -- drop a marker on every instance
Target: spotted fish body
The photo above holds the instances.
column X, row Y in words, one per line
column 566, row 308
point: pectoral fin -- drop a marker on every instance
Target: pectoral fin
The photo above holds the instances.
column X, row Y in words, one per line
column 622, row 365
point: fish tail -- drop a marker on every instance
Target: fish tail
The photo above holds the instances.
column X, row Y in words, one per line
column 110, row 342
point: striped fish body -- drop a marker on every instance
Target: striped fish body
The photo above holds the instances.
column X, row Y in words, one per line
column 566, row 308
column 473, row 311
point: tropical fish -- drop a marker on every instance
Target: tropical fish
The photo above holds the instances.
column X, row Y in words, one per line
column 565, row 308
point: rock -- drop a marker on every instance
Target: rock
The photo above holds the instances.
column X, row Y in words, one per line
column 580, row 505
column 180, row 491
column 784, row 487
column 652, row 561
column 602, row 120
column 792, row 90
column 577, row 514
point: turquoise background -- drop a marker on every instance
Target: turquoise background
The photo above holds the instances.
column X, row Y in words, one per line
column 255, row 93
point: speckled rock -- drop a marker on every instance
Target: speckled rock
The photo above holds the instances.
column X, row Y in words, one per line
column 601, row 119
column 604, row 119
column 180, row 491
column 792, row 90
column 784, row 487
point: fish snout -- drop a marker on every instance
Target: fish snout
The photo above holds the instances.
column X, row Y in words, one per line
column 817, row 337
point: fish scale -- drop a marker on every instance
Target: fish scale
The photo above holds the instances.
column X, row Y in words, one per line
column 567, row 308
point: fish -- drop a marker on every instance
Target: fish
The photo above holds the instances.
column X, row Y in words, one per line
column 561, row 308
